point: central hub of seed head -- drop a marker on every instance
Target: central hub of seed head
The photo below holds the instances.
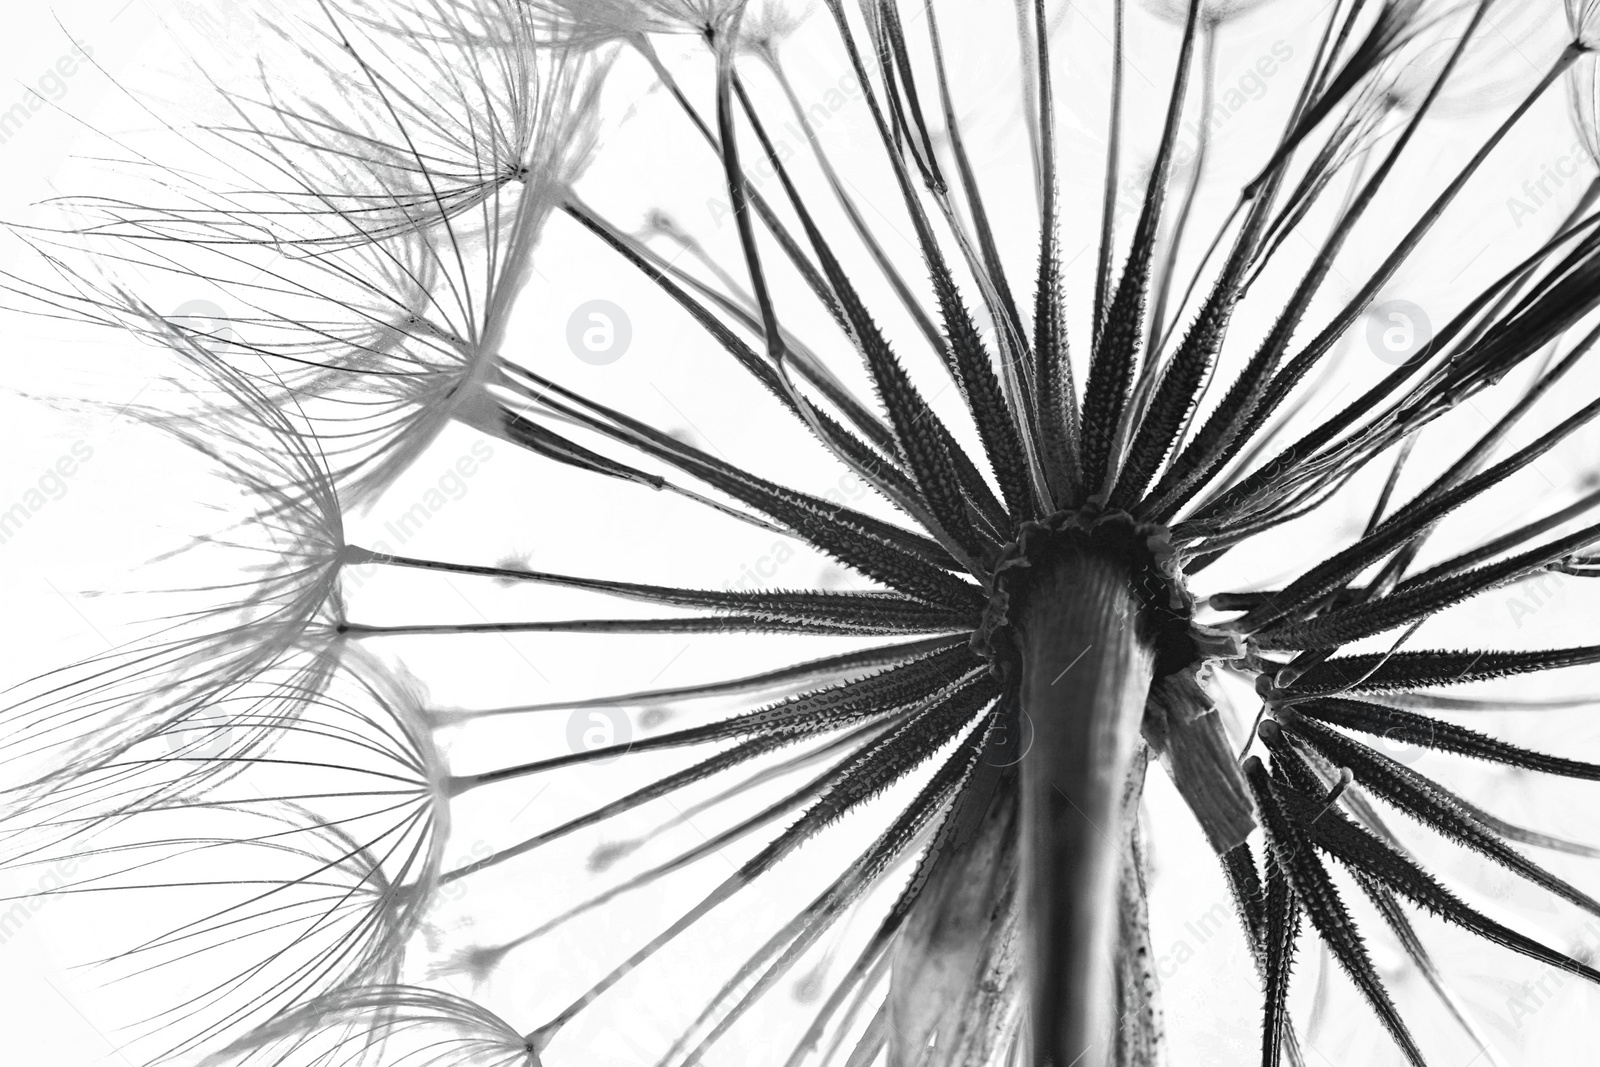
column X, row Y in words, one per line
column 1142, row 551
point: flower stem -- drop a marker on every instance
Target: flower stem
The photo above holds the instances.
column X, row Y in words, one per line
column 1085, row 676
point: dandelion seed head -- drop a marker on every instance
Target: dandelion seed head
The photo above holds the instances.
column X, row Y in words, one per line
column 432, row 114
column 328, row 811
column 768, row 23
column 1141, row 482
column 275, row 612
column 583, row 24
column 1583, row 19
column 1212, row 12
column 595, row 23
column 1583, row 98
column 709, row 18
column 425, row 344
column 1500, row 64
column 367, row 241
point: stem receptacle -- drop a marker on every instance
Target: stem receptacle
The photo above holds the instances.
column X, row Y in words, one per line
column 1086, row 671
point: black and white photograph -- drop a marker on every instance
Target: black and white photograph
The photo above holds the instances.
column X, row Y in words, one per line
column 800, row 533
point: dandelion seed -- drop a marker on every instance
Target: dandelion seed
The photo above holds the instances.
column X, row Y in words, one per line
column 584, row 24
column 1583, row 19
column 275, row 609
column 766, row 25
column 303, row 868
column 376, row 303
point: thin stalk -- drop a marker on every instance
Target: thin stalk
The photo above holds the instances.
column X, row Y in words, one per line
column 1118, row 346
column 1003, row 307
column 1030, row 77
column 1058, row 423
column 890, row 272
column 741, row 307
column 1085, row 676
column 832, row 668
column 715, row 624
column 1108, row 204
column 664, row 787
column 1470, row 461
column 1160, row 329
column 999, row 406
column 1285, row 379
column 769, row 218
column 948, row 525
